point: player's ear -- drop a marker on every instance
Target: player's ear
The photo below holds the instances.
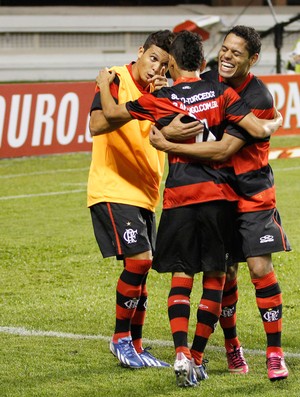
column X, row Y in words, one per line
column 203, row 65
column 254, row 59
column 140, row 52
column 171, row 62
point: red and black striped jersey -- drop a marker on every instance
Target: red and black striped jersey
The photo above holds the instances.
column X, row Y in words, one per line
column 253, row 174
column 214, row 103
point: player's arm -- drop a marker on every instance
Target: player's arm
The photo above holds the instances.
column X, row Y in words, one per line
column 119, row 114
column 113, row 113
column 258, row 128
column 261, row 128
column 99, row 125
column 179, row 130
column 213, row 150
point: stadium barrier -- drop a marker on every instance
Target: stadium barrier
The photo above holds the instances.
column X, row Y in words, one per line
column 52, row 118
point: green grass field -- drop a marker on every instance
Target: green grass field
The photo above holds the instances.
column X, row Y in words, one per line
column 57, row 295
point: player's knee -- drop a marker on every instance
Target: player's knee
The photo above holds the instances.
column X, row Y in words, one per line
column 260, row 266
column 231, row 273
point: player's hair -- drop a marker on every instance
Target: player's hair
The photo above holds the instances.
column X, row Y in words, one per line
column 161, row 39
column 187, row 50
column 251, row 37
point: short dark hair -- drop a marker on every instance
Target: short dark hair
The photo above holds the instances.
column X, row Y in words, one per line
column 187, row 50
column 161, row 39
column 250, row 35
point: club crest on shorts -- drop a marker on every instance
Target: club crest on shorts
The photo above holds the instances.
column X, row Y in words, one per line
column 130, row 236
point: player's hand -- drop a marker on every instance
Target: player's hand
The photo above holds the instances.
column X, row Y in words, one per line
column 105, row 75
column 157, row 139
column 178, row 131
column 159, row 80
column 278, row 117
column 273, row 125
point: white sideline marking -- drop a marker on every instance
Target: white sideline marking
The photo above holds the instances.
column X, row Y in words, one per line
column 285, row 169
column 42, row 194
column 20, row 331
column 43, row 172
column 8, row 176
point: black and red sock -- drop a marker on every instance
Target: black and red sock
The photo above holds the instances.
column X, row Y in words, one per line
column 228, row 314
column 208, row 314
column 128, row 294
column 269, row 303
column 179, row 312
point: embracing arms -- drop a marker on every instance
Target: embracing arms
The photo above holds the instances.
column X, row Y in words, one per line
column 114, row 113
column 214, row 150
column 113, row 116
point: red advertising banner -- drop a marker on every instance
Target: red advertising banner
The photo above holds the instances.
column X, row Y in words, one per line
column 45, row 118
column 286, row 93
column 48, row 118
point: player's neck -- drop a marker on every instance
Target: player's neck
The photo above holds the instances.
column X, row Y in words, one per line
column 185, row 74
column 236, row 82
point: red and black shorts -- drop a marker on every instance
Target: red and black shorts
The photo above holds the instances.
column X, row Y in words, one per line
column 123, row 230
column 195, row 238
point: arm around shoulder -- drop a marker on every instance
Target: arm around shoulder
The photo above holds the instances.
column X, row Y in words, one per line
column 216, row 150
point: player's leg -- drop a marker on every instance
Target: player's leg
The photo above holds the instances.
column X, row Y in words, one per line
column 148, row 229
column 177, row 253
column 269, row 302
column 215, row 232
column 137, row 316
column 179, row 315
column 234, row 351
column 208, row 313
column 128, row 293
column 138, row 319
column 263, row 235
column 125, row 230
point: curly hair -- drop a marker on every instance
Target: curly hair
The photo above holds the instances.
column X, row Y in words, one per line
column 161, row 39
column 251, row 37
column 187, row 50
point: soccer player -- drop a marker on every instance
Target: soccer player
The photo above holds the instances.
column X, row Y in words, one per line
column 123, row 190
column 258, row 220
column 197, row 213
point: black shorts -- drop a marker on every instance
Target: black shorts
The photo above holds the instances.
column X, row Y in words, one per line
column 259, row 233
column 123, row 230
column 195, row 238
